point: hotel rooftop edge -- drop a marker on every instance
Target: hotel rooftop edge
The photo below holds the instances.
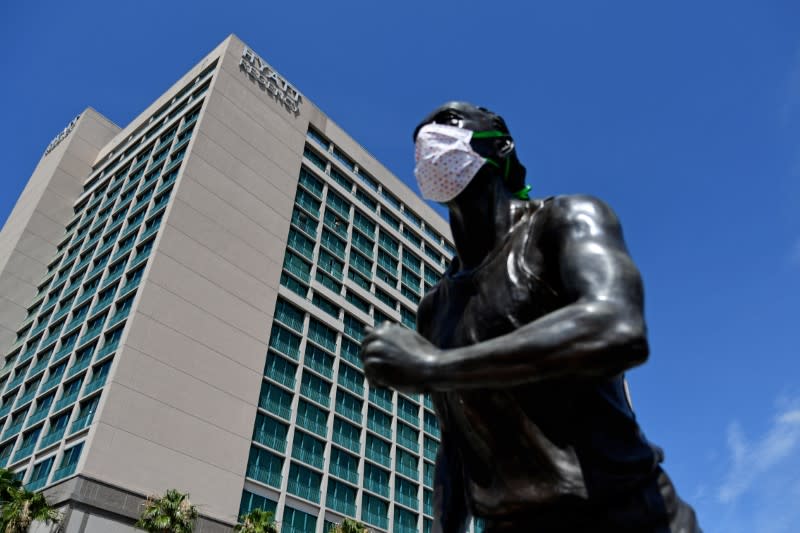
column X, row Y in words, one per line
column 181, row 304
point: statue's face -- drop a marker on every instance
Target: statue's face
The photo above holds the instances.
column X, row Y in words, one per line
column 464, row 115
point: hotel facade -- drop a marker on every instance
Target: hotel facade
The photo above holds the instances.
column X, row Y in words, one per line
column 181, row 305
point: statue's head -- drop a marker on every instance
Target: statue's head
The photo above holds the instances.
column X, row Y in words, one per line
column 472, row 140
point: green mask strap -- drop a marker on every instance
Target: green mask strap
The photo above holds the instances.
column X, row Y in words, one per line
column 522, row 194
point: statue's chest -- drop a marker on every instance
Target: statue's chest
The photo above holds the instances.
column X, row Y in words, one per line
column 506, row 292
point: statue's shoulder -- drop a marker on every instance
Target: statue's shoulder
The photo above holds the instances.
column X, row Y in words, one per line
column 570, row 209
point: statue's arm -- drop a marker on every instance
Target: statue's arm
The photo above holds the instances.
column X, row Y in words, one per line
column 601, row 332
column 450, row 514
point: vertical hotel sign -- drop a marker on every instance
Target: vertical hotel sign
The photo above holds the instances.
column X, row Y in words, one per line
column 270, row 82
column 61, row 136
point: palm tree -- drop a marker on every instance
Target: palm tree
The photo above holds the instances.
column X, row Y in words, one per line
column 23, row 508
column 349, row 525
column 171, row 513
column 7, row 481
column 257, row 521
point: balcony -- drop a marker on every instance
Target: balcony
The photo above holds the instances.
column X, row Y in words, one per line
column 409, row 417
column 270, row 440
column 407, row 442
column 375, row 519
column 65, row 350
column 344, row 440
column 95, row 384
column 380, row 400
column 264, row 475
column 106, row 349
column 302, row 490
column 34, row 485
column 65, row 401
column 138, row 259
column 28, row 396
column 315, row 395
column 349, row 412
column 351, row 384
column 378, row 457
column 343, row 472
column 64, row 310
column 24, row 452
column 166, row 185
column 64, row 471
column 428, row 402
column 117, row 318
column 150, row 231
column 308, row 457
column 4, row 410
column 271, row 405
column 430, row 453
column 282, row 377
column 312, row 425
column 407, row 500
column 376, row 487
column 407, row 471
column 343, row 506
column 352, row 357
column 122, row 251
column 50, row 383
column 38, row 416
column 112, row 278
column 79, row 366
column 87, row 295
column 12, row 430
column 51, row 438
column 380, row 428
column 81, row 423
column 128, row 287
column 90, row 334
column 16, row 381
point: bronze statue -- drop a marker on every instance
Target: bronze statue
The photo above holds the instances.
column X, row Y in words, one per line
column 523, row 346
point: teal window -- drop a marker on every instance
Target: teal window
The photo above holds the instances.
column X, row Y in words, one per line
column 68, row 462
column 311, row 183
column 270, row 432
column 284, row 341
column 41, row 471
column 390, row 199
column 322, row 334
column 387, row 262
column 295, row 521
column 360, row 263
column 85, row 414
column 275, row 400
column 280, row 370
column 319, row 360
column 308, row 449
column 408, row 410
column 252, row 501
column 366, row 199
column 364, row 223
column 430, row 448
column 264, row 466
column 407, row 436
column 335, row 222
column 305, row 483
column 341, row 179
column 381, row 398
column 343, row 159
column 431, row 276
column 332, row 243
column 289, row 315
column 329, row 282
column 387, row 278
column 363, row 243
column 429, row 472
column 432, row 424
column 338, row 204
column 368, row 180
column 300, row 243
column 430, row 252
column 350, row 351
column 353, row 327
column 297, row 266
column 410, row 279
column 358, row 279
column 384, row 297
column 408, row 317
column 348, row 405
column 427, row 501
column 343, row 465
column 360, row 303
column 376, row 479
column 346, row 434
column 374, row 511
column 293, row 285
column 351, row 379
column 329, row 264
column 389, row 244
column 312, row 418
column 379, row 422
column 318, row 138
column 411, row 236
column 341, row 497
column 405, row 521
column 413, row 217
column 405, row 492
column 406, row 463
column 410, row 294
column 316, row 389
column 449, row 248
column 389, row 219
column 412, row 262
column 304, row 222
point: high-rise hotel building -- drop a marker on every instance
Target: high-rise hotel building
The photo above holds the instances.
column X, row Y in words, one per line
column 181, row 305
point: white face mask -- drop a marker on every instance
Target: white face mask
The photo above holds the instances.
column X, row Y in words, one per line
column 445, row 161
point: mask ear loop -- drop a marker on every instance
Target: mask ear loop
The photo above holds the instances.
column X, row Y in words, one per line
column 522, row 194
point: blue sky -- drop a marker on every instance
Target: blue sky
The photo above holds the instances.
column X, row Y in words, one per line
column 684, row 116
